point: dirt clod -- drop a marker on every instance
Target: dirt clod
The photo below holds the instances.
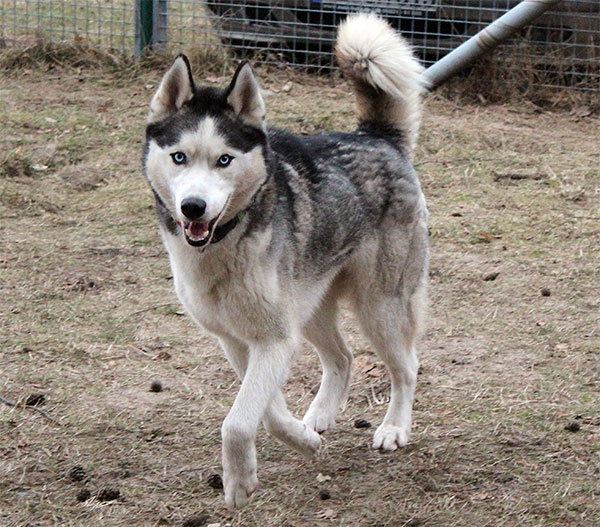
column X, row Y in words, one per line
column 84, row 495
column 545, row 291
column 573, row 426
column 80, row 284
column 35, row 399
column 490, row 277
column 195, row 521
column 108, row 494
column 362, row 423
column 156, row 386
column 324, row 494
column 77, row 473
column 215, row 481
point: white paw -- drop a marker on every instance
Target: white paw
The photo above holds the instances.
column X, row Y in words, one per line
column 297, row 435
column 238, row 491
column 319, row 419
column 309, row 444
column 389, row 437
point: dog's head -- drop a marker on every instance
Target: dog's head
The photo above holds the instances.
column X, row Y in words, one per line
column 205, row 149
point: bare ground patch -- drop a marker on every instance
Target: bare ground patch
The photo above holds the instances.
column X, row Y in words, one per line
column 89, row 319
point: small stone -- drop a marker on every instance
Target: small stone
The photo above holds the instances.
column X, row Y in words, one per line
column 108, row 494
column 77, row 473
column 324, row 494
column 156, row 386
column 215, row 481
column 573, row 426
column 362, row 423
column 84, row 495
column 546, row 292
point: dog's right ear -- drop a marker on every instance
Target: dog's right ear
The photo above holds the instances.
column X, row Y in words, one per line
column 176, row 88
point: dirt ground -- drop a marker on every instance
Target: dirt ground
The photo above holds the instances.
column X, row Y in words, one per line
column 507, row 414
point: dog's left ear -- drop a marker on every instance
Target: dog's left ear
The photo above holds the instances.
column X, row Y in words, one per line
column 176, row 88
column 243, row 95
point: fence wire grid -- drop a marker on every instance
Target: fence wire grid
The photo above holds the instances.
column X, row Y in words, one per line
column 561, row 49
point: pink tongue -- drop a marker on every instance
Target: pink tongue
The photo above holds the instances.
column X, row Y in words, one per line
column 198, row 228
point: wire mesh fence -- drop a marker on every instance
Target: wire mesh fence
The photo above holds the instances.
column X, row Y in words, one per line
column 107, row 25
column 561, row 49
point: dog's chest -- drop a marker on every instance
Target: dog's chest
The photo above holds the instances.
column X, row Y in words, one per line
column 234, row 296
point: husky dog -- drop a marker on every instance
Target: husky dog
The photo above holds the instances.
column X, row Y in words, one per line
column 267, row 232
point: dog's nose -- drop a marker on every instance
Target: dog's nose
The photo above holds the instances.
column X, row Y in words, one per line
column 193, row 208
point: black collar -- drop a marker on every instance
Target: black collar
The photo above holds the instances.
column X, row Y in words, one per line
column 223, row 230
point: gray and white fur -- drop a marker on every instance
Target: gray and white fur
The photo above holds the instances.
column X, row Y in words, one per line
column 268, row 232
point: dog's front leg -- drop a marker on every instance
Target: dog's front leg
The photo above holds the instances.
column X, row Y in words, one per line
column 278, row 420
column 268, row 367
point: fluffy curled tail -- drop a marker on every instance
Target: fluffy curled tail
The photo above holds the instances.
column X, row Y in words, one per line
column 386, row 77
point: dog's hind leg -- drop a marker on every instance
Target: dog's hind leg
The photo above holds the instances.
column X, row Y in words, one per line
column 336, row 359
column 390, row 325
column 278, row 420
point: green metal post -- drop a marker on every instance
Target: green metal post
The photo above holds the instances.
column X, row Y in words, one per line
column 144, row 25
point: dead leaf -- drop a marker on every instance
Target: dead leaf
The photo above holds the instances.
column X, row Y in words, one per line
column 482, row 496
column 485, row 236
column 582, row 111
column 327, row 514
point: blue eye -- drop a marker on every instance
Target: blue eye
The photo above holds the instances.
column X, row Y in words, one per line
column 179, row 158
column 225, row 160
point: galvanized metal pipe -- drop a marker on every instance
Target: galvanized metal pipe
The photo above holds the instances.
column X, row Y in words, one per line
column 487, row 39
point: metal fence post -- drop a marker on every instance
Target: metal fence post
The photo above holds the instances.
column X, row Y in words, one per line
column 150, row 25
column 160, row 23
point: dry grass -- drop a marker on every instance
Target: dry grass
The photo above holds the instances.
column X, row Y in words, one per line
column 513, row 75
column 89, row 318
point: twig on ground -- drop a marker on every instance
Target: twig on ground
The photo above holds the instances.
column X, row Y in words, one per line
column 516, row 176
column 34, row 408
column 458, row 160
column 152, row 308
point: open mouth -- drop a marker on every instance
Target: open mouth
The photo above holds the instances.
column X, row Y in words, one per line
column 199, row 233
